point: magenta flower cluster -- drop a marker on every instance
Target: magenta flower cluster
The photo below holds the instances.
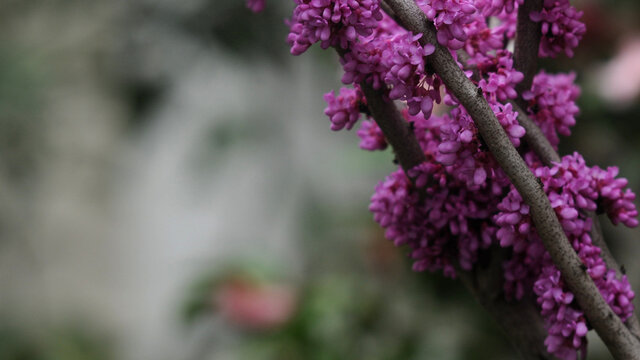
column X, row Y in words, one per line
column 552, row 103
column 501, row 77
column 495, row 7
column 344, row 110
column 463, row 185
column 562, row 29
column 405, row 61
column 434, row 229
column 255, row 5
column 371, row 136
column 394, row 60
column 449, row 17
column 574, row 189
column 481, row 38
column 458, row 202
column 331, row 22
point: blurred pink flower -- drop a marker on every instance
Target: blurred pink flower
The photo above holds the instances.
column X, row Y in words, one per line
column 619, row 79
column 254, row 306
column 255, row 5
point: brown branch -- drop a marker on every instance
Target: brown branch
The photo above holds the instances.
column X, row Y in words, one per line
column 395, row 128
column 621, row 343
column 527, row 43
column 534, row 137
column 541, row 146
column 485, row 282
column 525, row 54
column 385, row 7
column 525, row 60
column 598, row 240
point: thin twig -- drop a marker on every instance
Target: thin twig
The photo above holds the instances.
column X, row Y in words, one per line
column 621, row 343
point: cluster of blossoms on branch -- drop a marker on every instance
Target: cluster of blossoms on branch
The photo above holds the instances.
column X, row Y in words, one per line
column 574, row 190
column 561, row 27
column 459, row 202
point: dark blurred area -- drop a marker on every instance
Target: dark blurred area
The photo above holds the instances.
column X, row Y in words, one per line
column 170, row 190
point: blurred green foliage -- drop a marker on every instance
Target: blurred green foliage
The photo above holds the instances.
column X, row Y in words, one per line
column 21, row 97
column 71, row 343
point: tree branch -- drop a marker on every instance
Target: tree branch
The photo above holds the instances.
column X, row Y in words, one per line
column 598, row 240
column 525, row 60
column 484, row 282
column 525, row 56
column 621, row 343
column 385, row 7
column 525, row 53
column 535, row 138
column 395, row 128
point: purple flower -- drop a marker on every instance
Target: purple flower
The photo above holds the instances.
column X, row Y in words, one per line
column 371, row 137
column 449, row 17
column 404, row 59
column 565, row 323
column 255, row 5
column 573, row 189
column 395, row 60
column 344, row 110
column 459, row 201
column 495, row 7
column 509, row 121
column 552, row 104
column 331, row 22
column 508, row 24
column 481, row 38
column 446, row 229
column 616, row 201
column 458, row 148
column 501, row 77
column 561, row 28
column 363, row 62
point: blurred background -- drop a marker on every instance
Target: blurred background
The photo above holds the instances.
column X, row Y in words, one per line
column 170, row 190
